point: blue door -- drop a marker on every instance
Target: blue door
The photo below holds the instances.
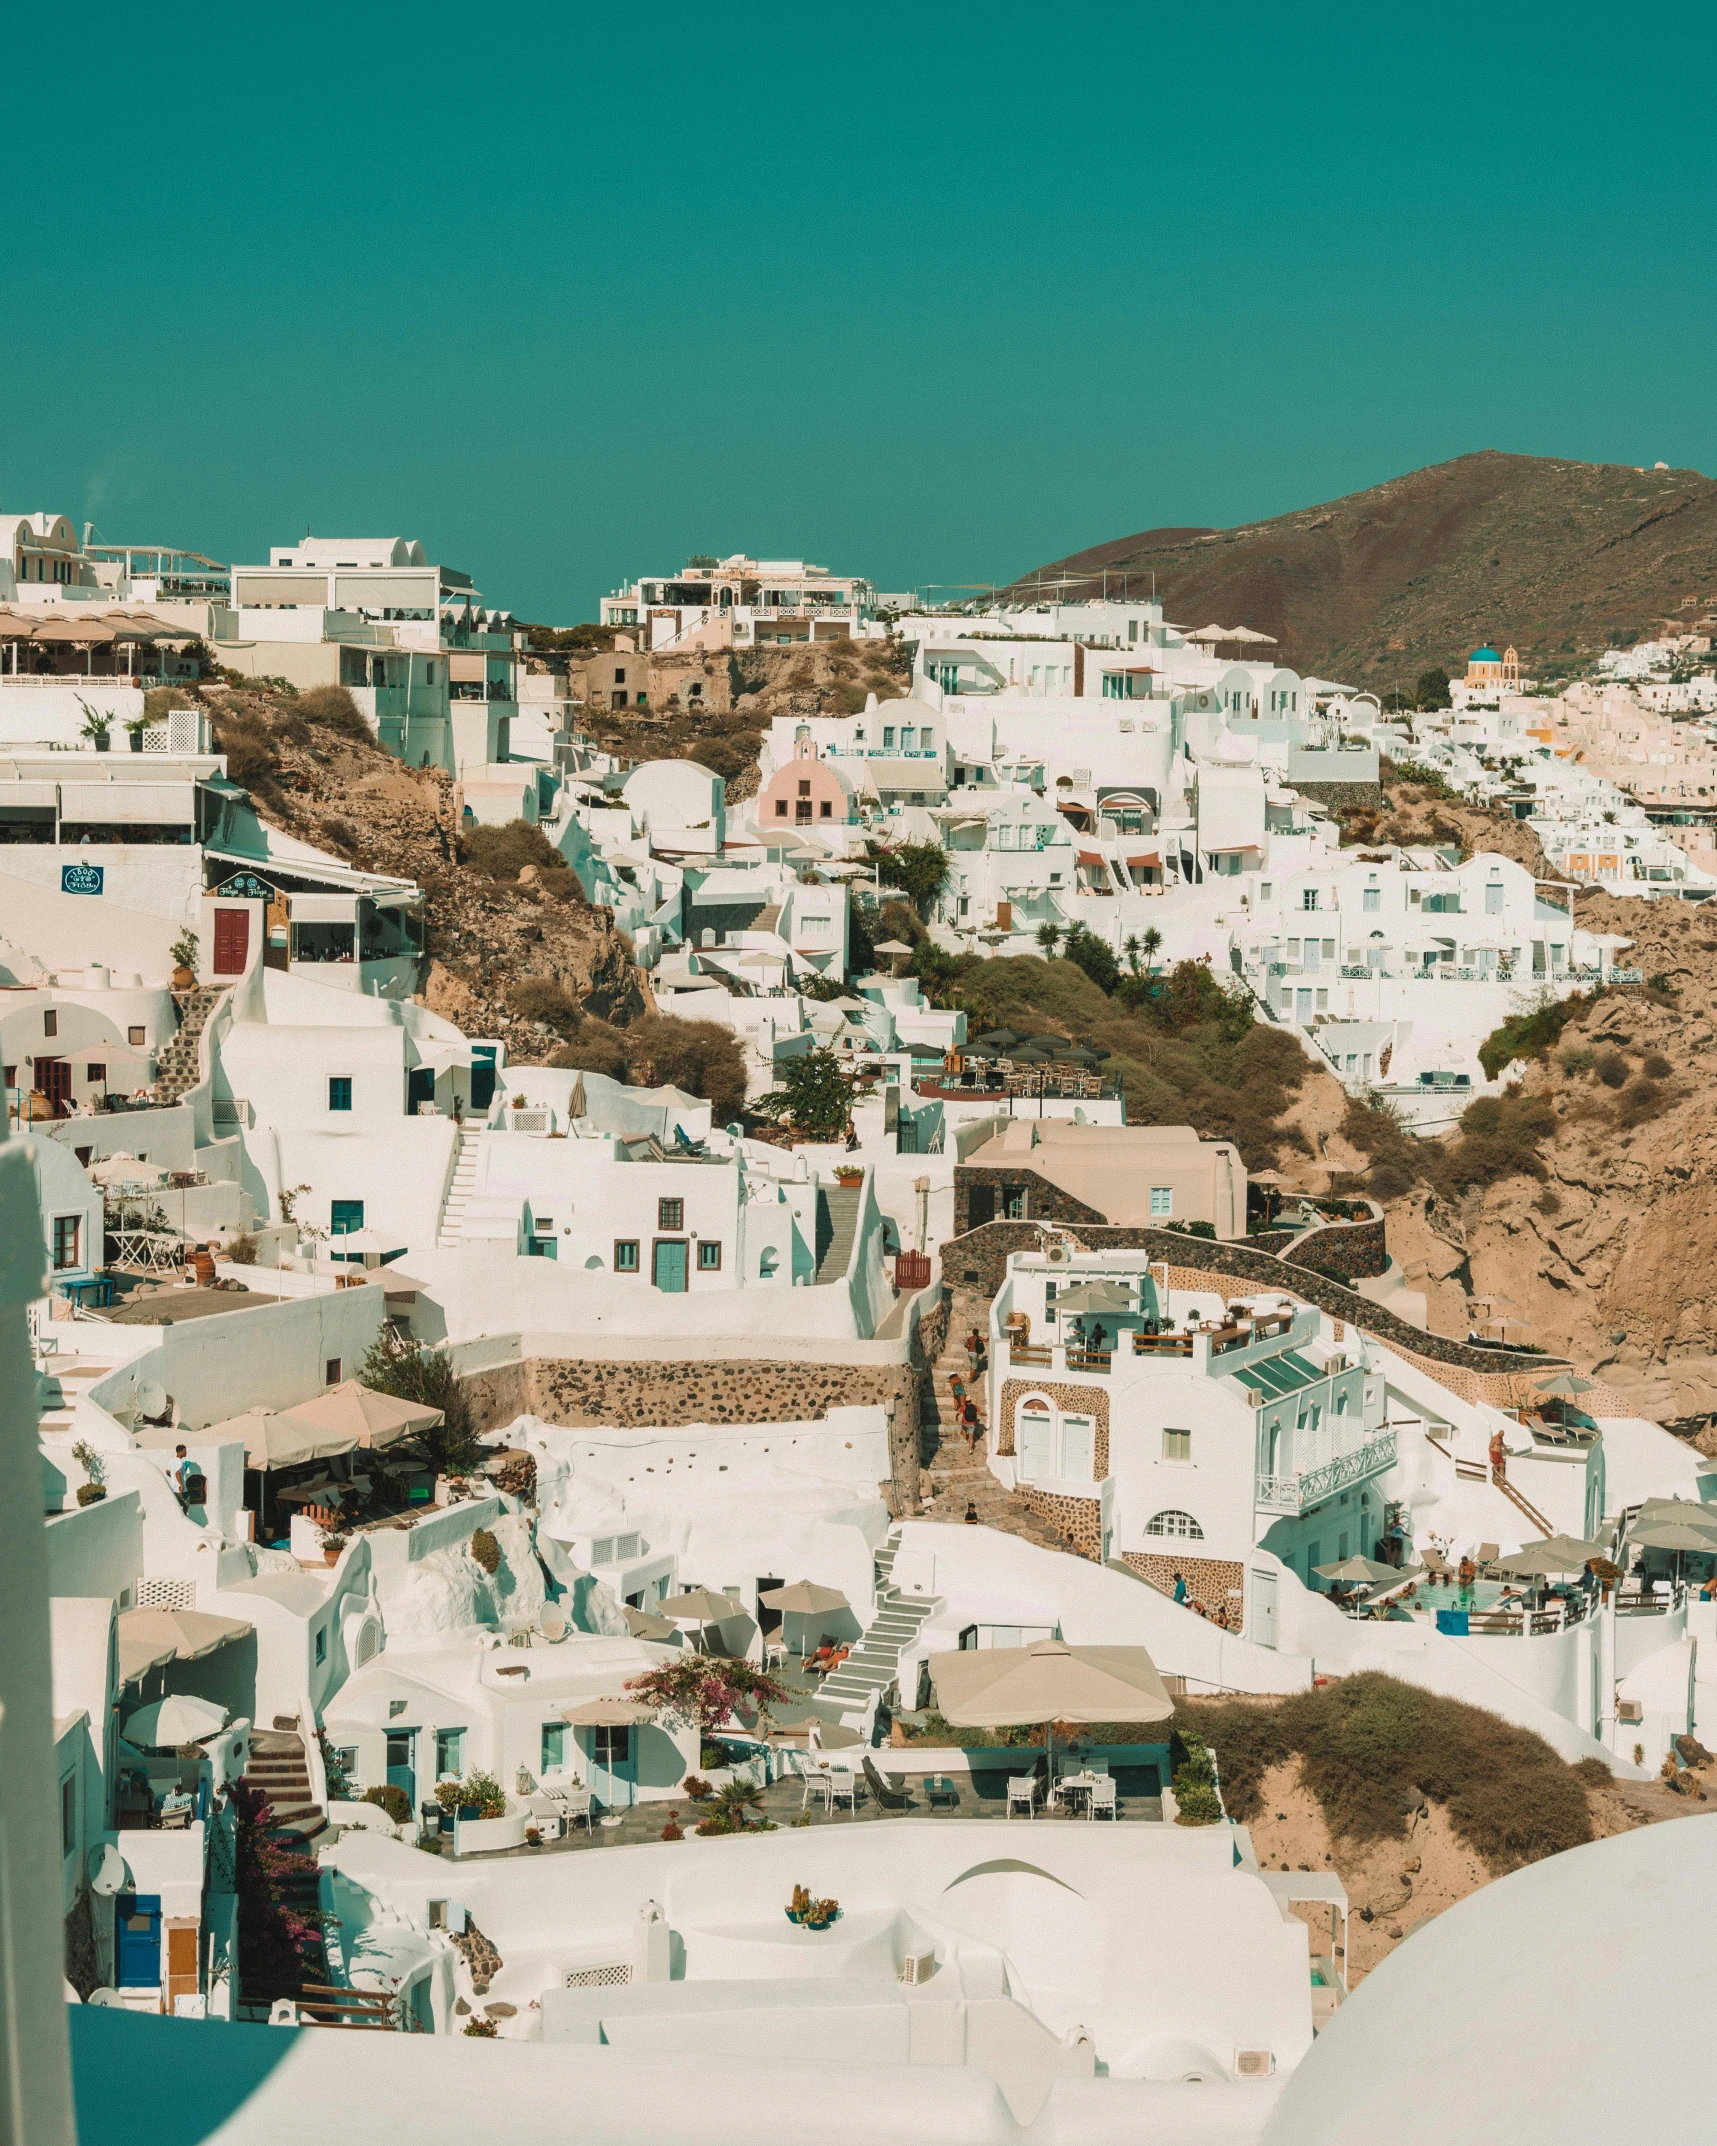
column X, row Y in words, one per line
column 669, row 1270
column 138, row 1922
column 613, row 1772
column 402, row 1763
column 482, row 1077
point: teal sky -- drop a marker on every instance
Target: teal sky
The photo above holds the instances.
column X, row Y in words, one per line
column 929, row 293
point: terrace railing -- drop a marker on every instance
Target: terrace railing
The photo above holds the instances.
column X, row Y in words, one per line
column 1297, row 1493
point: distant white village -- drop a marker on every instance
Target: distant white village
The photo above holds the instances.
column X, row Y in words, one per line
column 589, row 1729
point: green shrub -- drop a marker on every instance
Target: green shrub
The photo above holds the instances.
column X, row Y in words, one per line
column 1529, row 1035
column 1575, row 1059
column 1592, row 1773
column 540, row 998
column 473, row 1790
column 503, row 852
column 1656, row 1067
column 702, row 1057
column 918, row 869
column 1193, row 1229
column 1612, row 1069
column 412, row 1372
column 393, row 1800
column 1086, row 951
column 1499, row 1137
column 1370, row 1747
column 485, row 1551
column 333, row 708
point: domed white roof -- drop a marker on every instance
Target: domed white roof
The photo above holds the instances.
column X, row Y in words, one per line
column 1564, row 2002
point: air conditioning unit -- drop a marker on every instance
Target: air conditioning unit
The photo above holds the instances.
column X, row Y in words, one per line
column 1630, row 1710
column 1254, row 2063
column 1057, row 1254
column 917, row 1968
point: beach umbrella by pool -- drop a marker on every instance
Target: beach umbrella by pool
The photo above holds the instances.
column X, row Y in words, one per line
column 1563, row 1385
column 1357, row 1572
column 1555, row 1553
column 179, row 1719
column 1684, row 1510
column 1672, row 1535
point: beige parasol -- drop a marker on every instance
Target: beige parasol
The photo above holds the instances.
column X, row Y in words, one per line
column 609, row 1711
column 150, row 1638
column 1002, row 1687
column 367, row 1417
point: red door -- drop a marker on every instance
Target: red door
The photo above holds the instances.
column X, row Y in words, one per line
column 54, row 1079
column 232, row 941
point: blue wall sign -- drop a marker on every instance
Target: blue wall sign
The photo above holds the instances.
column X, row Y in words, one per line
column 81, row 878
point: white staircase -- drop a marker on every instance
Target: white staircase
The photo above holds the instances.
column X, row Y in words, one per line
column 459, row 1188
column 874, row 1663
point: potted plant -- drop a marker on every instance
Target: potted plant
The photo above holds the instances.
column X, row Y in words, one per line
column 697, row 1787
column 849, row 1176
column 93, row 1466
column 334, row 1541
column 134, row 731
column 186, row 951
column 810, row 1913
column 533, row 1837
column 673, row 1830
column 97, row 725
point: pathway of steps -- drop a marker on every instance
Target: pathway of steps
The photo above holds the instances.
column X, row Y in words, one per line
column 954, row 1477
column 176, row 1068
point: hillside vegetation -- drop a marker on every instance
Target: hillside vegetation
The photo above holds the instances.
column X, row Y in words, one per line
column 1559, row 558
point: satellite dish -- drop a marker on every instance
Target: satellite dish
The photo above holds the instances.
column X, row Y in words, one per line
column 106, row 1872
column 109, row 1998
column 152, row 1401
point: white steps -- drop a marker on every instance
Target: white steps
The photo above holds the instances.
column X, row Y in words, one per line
column 460, row 1187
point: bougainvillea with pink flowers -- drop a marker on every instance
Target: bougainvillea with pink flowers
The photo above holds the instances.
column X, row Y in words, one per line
column 705, row 1690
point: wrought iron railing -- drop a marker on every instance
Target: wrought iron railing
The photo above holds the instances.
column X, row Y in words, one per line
column 1294, row 1493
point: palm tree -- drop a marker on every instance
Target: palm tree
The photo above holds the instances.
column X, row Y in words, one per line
column 1049, row 937
column 1151, row 941
column 1130, row 947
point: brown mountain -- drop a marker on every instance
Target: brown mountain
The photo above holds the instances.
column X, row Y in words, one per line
column 1554, row 557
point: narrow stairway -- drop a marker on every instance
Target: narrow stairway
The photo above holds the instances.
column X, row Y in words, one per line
column 874, row 1663
column 460, row 1187
column 837, row 1225
column 954, row 1476
column 278, row 1768
column 176, row 1068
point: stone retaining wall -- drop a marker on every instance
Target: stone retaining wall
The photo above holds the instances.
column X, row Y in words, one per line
column 1217, row 1582
column 1044, row 1202
column 979, row 1260
column 1079, row 1519
column 1340, row 796
column 1344, row 1251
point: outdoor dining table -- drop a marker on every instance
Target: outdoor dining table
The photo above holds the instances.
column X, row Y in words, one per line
column 1072, row 1787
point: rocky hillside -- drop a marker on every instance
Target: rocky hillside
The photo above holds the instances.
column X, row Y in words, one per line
column 1556, row 557
column 499, row 913
column 1419, row 811
column 1587, row 1203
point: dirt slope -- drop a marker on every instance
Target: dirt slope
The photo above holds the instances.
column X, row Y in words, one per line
column 1553, row 556
column 484, row 935
column 1610, row 1256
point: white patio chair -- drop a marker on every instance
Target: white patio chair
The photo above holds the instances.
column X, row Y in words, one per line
column 576, row 1804
column 1022, row 1788
column 843, row 1787
column 817, row 1783
column 1101, row 1801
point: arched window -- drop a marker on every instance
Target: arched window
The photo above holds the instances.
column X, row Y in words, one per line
column 1182, row 1525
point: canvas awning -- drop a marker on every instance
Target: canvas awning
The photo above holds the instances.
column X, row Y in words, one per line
column 150, row 1638
column 275, row 1441
column 1150, row 862
column 1010, row 1687
column 357, row 1411
column 135, row 804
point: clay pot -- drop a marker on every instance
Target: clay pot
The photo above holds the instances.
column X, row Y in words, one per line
column 184, row 980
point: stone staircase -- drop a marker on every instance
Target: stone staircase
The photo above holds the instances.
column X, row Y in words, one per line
column 176, row 1069
column 460, row 1187
column 837, row 1225
column 874, row 1663
column 278, row 1767
column 955, row 1478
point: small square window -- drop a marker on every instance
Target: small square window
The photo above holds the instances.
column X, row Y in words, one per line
column 331, row 1369
column 625, row 1255
column 828, row 811
column 344, row 1216
column 396, row 1707
column 780, row 808
column 97, row 1075
column 68, row 1235
column 804, row 789
column 670, row 1214
column 1177, row 1445
column 1162, row 1200
column 339, row 1092
column 709, row 1255
column 134, row 1036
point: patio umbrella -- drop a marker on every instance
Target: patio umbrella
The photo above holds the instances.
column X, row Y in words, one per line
column 1564, row 1385
column 355, row 1410
column 1672, row 1535
column 274, row 1440
column 1556, row 1553
column 1684, row 1510
column 642, row 1625
column 1001, row 1039
column 804, row 1598
column 81, row 632
column 1049, row 1681
column 701, row 1606
column 611, row 1710
column 1085, row 1298
column 177, row 1720
column 367, row 1245
column 1357, row 1572
column 123, row 1170
column 149, row 1638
